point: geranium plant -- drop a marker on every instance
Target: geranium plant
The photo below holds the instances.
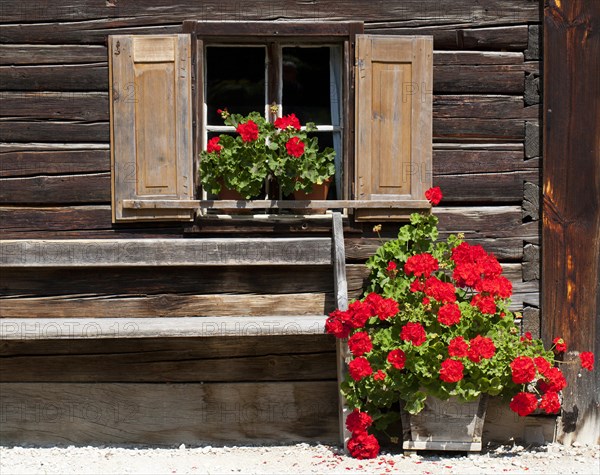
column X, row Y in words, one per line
column 436, row 321
column 281, row 149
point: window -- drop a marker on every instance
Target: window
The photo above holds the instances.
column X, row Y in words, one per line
column 327, row 73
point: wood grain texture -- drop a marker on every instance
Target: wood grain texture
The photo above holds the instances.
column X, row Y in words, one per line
column 168, row 414
column 64, row 105
column 56, row 162
column 571, row 202
column 210, row 359
column 51, row 54
column 165, row 252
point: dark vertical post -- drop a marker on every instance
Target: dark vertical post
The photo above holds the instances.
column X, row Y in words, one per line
column 571, row 203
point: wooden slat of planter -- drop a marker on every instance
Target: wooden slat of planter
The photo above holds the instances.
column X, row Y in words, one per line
column 168, row 414
column 163, row 252
column 168, row 327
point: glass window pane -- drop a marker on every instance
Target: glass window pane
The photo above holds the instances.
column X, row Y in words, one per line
column 306, row 84
column 235, row 78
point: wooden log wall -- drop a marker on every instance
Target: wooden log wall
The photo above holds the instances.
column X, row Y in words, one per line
column 55, row 184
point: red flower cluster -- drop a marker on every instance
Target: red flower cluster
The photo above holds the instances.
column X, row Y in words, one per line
column 524, row 403
column 554, row 381
column 213, row 145
column 360, row 368
column 523, row 370
column 360, row 343
column 248, row 131
column 473, row 265
column 337, row 324
column 361, row 445
column 413, row 332
column 527, row 337
column 392, row 269
column 458, row 347
column 451, row 371
column 449, row 314
column 542, row 364
column 379, row 375
column 383, row 308
column 587, row 360
column 295, row 147
column 421, row 265
column 397, row 358
column 498, row 286
column 550, row 402
column 485, row 303
column 481, row 347
column 559, row 345
column 434, row 195
column 440, row 291
column 289, row 121
column 358, row 421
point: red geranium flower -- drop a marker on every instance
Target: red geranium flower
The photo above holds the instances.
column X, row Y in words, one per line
column 555, row 381
column 358, row 314
column 440, row 291
column 288, row 121
column 397, row 358
column 417, row 286
column 358, row 421
column 360, row 368
column 481, row 347
column 524, row 403
column 391, row 266
column 295, row 147
column 421, row 265
column 451, row 371
column 485, row 303
column 587, row 360
column 559, row 344
column 458, row 347
column 449, row 314
column 550, row 402
column 360, row 343
column 213, row 145
column 413, row 332
column 523, row 370
column 434, row 195
column 527, row 337
column 379, row 375
column 542, row 364
column 363, row 446
column 498, row 286
column 248, row 131
column 336, row 324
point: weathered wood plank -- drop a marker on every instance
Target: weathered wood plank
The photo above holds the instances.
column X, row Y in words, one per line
column 76, row 188
column 76, row 327
column 411, row 13
column 29, row 282
column 53, row 131
column 51, row 54
column 571, row 204
column 165, row 252
column 500, row 38
column 497, row 106
column 64, row 77
column 59, row 162
column 264, row 204
column 82, row 106
column 448, row 78
column 54, row 219
column 168, row 414
column 211, row 359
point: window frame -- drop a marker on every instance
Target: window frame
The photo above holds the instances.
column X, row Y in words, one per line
column 274, row 36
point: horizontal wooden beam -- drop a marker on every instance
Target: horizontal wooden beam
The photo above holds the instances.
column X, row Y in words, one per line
column 168, row 327
column 265, row 204
column 164, row 252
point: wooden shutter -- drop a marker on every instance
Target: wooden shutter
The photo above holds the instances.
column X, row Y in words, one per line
column 151, row 124
column 394, row 81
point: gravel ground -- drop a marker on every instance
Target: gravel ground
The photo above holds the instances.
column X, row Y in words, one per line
column 301, row 458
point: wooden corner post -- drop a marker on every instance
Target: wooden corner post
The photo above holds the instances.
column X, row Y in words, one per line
column 571, row 205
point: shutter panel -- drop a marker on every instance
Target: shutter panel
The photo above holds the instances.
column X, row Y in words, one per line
column 151, row 124
column 394, row 81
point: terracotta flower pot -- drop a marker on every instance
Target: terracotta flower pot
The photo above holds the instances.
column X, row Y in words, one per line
column 319, row 192
column 229, row 194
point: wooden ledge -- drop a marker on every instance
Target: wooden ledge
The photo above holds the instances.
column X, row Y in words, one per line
column 164, row 252
column 104, row 328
